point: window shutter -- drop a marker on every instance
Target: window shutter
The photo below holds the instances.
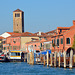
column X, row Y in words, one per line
column 61, row 40
column 57, row 42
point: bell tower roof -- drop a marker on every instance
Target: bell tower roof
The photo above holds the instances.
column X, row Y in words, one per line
column 18, row 10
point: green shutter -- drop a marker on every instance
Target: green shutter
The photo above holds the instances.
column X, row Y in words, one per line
column 69, row 40
column 52, row 41
column 61, row 40
column 4, row 48
column 57, row 42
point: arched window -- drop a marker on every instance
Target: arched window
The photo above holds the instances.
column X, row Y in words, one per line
column 67, row 40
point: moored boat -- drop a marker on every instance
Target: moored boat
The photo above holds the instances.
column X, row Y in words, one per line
column 3, row 58
column 15, row 55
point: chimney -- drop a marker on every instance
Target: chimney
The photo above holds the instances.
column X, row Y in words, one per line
column 73, row 22
column 39, row 32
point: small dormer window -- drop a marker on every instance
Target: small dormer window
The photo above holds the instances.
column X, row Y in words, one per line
column 60, row 30
column 17, row 15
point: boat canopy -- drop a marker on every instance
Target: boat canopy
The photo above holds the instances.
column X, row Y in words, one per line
column 45, row 52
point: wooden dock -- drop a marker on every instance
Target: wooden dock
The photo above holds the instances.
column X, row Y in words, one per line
column 54, row 61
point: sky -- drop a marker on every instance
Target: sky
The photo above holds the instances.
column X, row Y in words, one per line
column 39, row 15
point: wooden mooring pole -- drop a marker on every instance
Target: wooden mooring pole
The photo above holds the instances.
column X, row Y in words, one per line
column 51, row 64
column 44, row 61
column 28, row 58
column 59, row 59
column 47, row 58
column 74, row 59
column 31, row 58
column 64, row 59
column 55, row 59
column 71, row 58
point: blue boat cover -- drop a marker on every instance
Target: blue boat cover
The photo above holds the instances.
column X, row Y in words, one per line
column 45, row 52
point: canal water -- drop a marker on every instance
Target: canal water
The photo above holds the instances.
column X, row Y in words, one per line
column 23, row 68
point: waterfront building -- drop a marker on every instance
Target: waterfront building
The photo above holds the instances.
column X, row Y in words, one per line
column 27, row 37
column 35, row 45
column 12, row 42
column 1, row 44
column 63, row 39
column 48, row 44
column 17, row 41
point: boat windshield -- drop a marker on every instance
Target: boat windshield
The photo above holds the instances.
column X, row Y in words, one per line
column 15, row 54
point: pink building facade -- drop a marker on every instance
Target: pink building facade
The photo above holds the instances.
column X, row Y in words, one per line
column 11, row 43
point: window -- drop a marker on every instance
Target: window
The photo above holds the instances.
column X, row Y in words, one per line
column 61, row 40
column 47, row 46
column 17, row 15
column 60, row 30
column 4, row 48
column 41, row 44
column 14, row 41
column 52, row 41
column 14, row 47
column 67, row 40
column 35, row 45
column 57, row 42
column 8, row 47
column 4, row 42
column 15, row 54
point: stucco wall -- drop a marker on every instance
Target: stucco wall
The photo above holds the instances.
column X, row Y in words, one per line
column 25, row 40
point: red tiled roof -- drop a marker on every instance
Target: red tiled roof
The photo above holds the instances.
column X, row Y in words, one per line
column 53, row 31
column 14, row 34
column 1, row 37
column 18, row 10
column 21, row 34
column 63, row 28
column 42, row 33
column 28, row 34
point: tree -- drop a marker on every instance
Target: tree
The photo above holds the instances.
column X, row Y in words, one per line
column 73, row 46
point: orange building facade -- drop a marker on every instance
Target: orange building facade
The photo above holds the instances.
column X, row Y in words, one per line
column 63, row 39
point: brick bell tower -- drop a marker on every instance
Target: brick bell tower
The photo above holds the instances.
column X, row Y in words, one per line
column 18, row 21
